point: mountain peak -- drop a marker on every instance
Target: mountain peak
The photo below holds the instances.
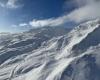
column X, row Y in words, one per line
column 87, row 25
column 78, row 34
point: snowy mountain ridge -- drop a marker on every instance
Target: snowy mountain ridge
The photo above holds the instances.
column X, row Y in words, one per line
column 79, row 33
column 48, row 54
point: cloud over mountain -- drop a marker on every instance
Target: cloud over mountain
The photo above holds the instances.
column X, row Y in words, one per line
column 87, row 10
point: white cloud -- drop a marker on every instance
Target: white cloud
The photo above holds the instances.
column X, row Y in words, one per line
column 23, row 24
column 91, row 10
column 84, row 13
column 85, row 2
column 2, row 5
column 10, row 4
column 48, row 22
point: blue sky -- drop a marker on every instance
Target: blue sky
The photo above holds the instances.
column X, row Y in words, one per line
column 20, row 15
column 27, row 10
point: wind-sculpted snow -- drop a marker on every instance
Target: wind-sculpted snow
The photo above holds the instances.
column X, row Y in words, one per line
column 48, row 54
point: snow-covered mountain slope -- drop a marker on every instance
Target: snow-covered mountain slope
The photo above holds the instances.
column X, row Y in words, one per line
column 51, row 53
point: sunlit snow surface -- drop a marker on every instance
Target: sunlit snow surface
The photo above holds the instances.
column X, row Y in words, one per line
column 37, row 55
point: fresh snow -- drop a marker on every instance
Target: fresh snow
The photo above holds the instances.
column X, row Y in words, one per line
column 44, row 62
